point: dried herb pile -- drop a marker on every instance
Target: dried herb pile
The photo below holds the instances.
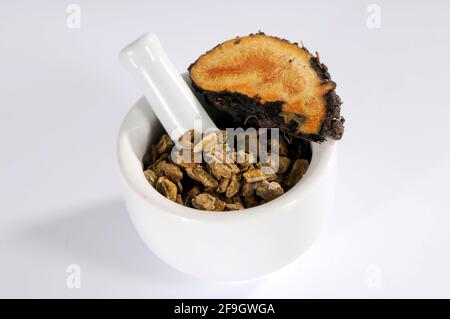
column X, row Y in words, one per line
column 235, row 181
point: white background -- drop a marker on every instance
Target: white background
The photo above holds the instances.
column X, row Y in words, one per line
column 63, row 95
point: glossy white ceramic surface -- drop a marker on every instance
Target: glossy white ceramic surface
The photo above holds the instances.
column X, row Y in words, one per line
column 172, row 101
column 224, row 246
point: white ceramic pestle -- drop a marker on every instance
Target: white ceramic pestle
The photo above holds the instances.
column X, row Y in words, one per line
column 173, row 102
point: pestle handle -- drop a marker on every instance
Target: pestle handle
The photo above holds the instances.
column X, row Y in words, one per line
column 173, row 102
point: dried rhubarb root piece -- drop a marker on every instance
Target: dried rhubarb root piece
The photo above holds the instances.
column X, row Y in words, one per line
column 272, row 82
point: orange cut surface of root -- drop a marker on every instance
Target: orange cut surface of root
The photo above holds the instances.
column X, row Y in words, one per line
column 268, row 69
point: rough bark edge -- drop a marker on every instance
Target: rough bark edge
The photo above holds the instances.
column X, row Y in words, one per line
column 230, row 102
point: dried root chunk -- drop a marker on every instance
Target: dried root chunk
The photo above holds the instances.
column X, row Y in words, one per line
column 254, row 175
column 198, row 174
column 233, row 206
column 204, row 201
column 234, row 168
column 185, row 161
column 190, row 195
column 188, row 139
column 250, row 201
column 269, row 190
column 283, row 164
column 279, row 146
column 195, row 190
column 248, row 189
column 150, row 176
column 219, row 205
column 180, row 187
column 206, row 142
column 220, row 202
column 223, row 185
column 162, row 158
column 236, row 200
column 220, row 170
column 221, row 153
column 279, row 179
column 245, row 160
column 235, row 203
column 267, row 169
column 152, row 156
column 297, row 171
column 164, row 145
column 273, row 81
column 234, row 186
column 207, row 201
column 147, row 160
column 179, row 199
column 167, row 188
column 171, row 171
column 271, row 177
column 155, row 152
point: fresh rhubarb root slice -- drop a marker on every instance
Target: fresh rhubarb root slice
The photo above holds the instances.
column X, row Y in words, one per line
column 273, row 83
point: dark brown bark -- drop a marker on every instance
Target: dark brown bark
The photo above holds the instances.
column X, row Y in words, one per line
column 244, row 108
